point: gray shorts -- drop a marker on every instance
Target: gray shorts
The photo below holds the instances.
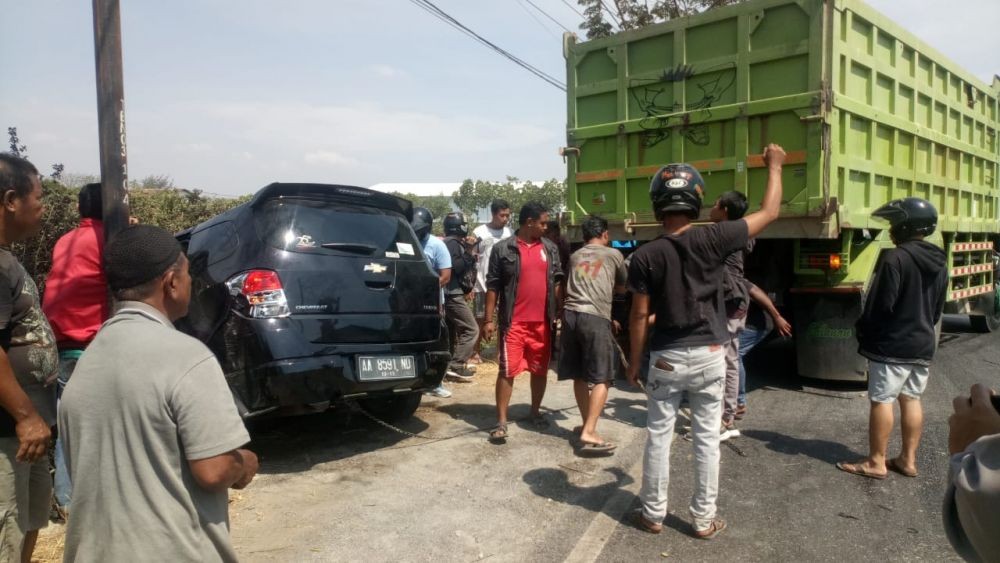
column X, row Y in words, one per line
column 888, row 381
column 25, row 497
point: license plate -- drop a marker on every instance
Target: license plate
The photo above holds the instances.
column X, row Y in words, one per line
column 386, row 367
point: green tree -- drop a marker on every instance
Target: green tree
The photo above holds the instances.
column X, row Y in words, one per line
column 476, row 195
column 16, row 148
column 634, row 14
column 153, row 182
column 176, row 210
column 438, row 205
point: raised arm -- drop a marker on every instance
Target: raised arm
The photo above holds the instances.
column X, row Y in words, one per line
column 774, row 158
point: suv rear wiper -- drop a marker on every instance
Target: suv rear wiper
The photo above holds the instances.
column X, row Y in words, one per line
column 351, row 247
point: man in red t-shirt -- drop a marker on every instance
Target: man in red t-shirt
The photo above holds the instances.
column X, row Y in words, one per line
column 76, row 302
column 526, row 274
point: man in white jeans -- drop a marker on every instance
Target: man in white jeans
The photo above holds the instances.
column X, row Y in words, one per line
column 679, row 278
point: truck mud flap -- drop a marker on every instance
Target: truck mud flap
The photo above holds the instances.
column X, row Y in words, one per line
column 825, row 340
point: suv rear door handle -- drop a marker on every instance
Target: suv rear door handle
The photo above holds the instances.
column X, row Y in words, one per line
column 373, row 284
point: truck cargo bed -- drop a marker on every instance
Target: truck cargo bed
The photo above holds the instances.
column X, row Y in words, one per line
column 866, row 111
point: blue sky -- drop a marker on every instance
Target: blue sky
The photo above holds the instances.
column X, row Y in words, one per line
column 227, row 95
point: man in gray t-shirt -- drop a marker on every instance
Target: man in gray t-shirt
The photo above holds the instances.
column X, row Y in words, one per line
column 152, row 436
column 588, row 353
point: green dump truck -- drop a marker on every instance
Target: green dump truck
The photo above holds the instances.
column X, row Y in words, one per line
column 867, row 113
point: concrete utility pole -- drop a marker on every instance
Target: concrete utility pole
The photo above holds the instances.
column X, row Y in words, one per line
column 111, row 115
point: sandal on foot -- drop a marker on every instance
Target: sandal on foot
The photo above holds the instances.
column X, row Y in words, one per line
column 539, row 421
column 602, row 448
column 499, row 434
column 894, row 465
column 715, row 529
column 859, row 470
column 645, row 524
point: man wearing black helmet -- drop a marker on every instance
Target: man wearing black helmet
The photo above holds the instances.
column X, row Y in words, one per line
column 896, row 332
column 458, row 293
column 436, row 254
column 679, row 278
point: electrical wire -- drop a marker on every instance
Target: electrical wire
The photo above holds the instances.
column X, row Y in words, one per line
column 437, row 12
column 572, row 7
column 612, row 14
column 534, row 17
column 546, row 14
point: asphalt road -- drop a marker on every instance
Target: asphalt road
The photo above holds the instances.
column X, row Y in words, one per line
column 338, row 487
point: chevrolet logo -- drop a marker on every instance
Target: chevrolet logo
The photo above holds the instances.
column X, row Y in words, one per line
column 375, row 268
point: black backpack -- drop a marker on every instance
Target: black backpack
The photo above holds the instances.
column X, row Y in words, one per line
column 463, row 264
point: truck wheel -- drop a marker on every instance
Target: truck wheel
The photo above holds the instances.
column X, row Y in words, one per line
column 399, row 407
column 989, row 322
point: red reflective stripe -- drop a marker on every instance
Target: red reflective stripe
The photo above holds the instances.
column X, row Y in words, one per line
column 966, row 246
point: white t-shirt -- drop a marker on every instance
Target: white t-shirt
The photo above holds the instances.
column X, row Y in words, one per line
column 488, row 237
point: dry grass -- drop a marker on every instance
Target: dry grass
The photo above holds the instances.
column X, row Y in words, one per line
column 51, row 543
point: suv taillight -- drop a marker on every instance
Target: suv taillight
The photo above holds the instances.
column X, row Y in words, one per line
column 262, row 291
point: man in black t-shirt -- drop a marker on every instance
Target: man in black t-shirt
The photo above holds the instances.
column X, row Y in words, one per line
column 679, row 277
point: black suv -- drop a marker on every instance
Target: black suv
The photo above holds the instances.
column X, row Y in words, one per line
column 309, row 294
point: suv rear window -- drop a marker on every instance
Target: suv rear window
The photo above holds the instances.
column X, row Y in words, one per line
column 323, row 227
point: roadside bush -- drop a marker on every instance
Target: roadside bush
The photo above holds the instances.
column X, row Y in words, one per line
column 174, row 210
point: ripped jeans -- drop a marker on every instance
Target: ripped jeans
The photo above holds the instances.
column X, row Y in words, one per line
column 701, row 373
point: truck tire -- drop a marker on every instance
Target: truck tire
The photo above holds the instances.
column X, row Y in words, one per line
column 989, row 322
column 399, row 407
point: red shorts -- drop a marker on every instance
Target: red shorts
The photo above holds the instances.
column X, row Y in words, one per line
column 525, row 347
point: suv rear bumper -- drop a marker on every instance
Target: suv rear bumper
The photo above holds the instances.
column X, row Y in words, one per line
column 319, row 379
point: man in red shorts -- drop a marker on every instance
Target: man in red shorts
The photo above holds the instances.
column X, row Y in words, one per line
column 526, row 273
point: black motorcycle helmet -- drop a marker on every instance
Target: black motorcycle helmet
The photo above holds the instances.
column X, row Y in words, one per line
column 908, row 217
column 455, row 225
column 422, row 221
column 677, row 188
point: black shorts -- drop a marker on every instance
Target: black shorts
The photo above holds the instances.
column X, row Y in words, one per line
column 587, row 348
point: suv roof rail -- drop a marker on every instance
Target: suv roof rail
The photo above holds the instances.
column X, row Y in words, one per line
column 351, row 194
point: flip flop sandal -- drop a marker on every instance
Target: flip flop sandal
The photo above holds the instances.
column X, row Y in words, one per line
column 859, row 470
column 893, row 465
column 602, row 448
column 499, row 434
